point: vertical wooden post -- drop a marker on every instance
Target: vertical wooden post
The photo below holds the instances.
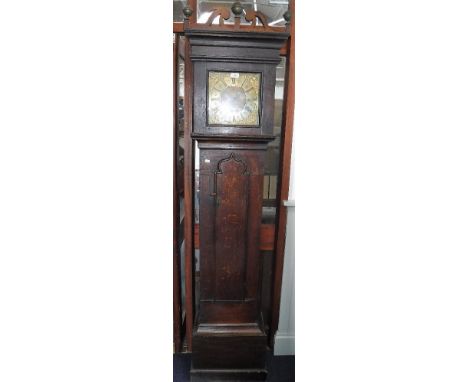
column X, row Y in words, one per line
column 188, row 196
column 193, row 18
column 177, row 318
column 285, row 165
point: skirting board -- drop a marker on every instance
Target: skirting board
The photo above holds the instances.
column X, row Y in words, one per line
column 284, row 344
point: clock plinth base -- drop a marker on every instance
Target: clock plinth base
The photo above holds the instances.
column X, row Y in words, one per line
column 228, row 375
column 228, row 353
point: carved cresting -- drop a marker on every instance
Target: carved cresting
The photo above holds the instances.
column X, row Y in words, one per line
column 232, row 185
column 250, row 16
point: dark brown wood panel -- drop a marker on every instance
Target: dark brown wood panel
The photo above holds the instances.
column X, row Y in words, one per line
column 267, row 237
column 227, row 352
column 228, row 312
column 230, row 208
column 231, row 193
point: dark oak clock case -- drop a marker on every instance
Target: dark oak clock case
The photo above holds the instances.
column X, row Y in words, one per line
column 229, row 339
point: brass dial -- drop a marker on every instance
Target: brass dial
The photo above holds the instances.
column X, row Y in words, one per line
column 233, row 98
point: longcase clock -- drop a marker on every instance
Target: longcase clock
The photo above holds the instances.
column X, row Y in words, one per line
column 234, row 73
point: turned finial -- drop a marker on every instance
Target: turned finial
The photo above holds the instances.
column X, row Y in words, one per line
column 187, row 11
column 237, row 8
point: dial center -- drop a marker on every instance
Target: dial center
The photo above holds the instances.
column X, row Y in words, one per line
column 234, row 98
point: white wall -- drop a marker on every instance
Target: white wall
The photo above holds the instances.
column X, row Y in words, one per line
column 285, row 336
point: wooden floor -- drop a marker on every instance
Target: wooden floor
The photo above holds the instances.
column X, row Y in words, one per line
column 280, row 368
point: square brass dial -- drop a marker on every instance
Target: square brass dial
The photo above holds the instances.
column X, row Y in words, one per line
column 233, row 98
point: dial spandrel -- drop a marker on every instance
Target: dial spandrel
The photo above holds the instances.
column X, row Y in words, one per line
column 233, row 98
